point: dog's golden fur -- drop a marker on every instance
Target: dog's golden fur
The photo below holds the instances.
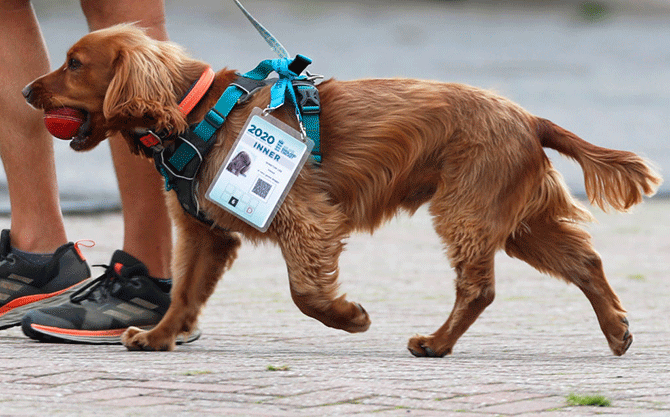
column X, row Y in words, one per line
column 388, row 145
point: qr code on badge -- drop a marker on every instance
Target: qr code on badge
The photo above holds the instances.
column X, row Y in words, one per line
column 262, row 188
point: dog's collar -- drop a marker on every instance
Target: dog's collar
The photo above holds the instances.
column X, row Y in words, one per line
column 197, row 91
column 186, row 104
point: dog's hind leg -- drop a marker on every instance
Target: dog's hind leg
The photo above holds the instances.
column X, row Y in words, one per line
column 475, row 290
column 563, row 249
column 201, row 257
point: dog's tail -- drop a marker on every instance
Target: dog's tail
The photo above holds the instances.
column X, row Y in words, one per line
column 619, row 179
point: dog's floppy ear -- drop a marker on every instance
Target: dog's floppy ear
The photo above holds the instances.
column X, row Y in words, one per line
column 143, row 88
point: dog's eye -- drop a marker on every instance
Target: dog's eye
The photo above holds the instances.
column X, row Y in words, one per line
column 73, row 64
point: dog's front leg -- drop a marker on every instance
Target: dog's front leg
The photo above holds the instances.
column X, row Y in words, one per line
column 201, row 256
column 312, row 262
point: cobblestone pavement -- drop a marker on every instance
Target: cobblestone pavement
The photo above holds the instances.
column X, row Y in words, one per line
column 607, row 80
column 259, row 356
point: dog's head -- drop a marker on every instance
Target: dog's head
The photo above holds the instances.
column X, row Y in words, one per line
column 123, row 80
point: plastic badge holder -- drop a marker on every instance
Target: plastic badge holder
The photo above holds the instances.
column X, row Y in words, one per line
column 259, row 171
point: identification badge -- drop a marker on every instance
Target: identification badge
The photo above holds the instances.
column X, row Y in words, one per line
column 260, row 169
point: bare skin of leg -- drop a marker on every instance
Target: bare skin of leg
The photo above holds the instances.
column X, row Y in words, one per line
column 37, row 224
column 25, row 145
column 147, row 228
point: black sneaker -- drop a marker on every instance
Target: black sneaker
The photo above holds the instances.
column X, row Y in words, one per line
column 125, row 295
column 25, row 285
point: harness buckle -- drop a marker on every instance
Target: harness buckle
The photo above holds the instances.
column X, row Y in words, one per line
column 309, row 105
column 214, row 118
column 152, row 140
column 307, row 97
column 249, row 86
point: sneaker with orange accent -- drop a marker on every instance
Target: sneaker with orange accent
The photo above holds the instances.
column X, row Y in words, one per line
column 125, row 295
column 25, row 285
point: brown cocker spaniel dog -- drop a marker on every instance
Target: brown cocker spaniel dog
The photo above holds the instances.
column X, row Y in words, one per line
column 388, row 145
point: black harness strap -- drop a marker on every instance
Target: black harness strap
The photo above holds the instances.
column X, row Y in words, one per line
column 182, row 180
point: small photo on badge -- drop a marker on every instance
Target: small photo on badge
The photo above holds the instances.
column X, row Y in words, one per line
column 240, row 164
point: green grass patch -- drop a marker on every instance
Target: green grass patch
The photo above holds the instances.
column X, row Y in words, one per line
column 637, row 277
column 593, row 10
column 193, row 373
column 282, row 368
column 592, row 400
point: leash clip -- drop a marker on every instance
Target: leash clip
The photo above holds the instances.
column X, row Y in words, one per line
column 313, row 77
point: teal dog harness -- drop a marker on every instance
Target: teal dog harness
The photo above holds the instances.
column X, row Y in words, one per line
column 180, row 162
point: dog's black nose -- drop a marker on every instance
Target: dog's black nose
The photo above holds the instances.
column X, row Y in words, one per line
column 27, row 92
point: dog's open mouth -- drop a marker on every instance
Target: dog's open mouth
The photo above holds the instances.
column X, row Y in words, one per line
column 70, row 123
column 80, row 140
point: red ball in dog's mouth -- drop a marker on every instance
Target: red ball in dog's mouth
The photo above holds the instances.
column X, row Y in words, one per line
column 64, row 122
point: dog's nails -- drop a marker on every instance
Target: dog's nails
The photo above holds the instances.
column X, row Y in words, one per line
column 360, row 307
column 430, row 352
column 414, row 352
column 629, row 341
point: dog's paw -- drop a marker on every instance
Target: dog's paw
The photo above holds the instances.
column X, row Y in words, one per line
column 358, row 319
column 338, row 313
column 138, row 339
column 426, row 346
column 620, row 345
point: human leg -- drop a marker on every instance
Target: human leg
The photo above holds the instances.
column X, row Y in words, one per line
column 37, row 266
column 25, row 145
column 147, row 228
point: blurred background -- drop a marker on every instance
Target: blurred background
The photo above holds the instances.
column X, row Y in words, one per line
column 600, row 68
